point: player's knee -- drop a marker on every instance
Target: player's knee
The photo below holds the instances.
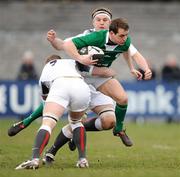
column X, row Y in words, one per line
column 122, row 100
column 67, row 131
column 108, row 124
column 107, row 119
column 75, row 122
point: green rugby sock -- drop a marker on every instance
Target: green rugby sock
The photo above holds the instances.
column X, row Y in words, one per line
column 36, row 114
column 120, row 112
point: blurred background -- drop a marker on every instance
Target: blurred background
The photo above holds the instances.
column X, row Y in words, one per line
column 154, row 28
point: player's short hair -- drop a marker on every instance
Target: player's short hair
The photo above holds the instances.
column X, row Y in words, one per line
column 52, row 57
column 101, row 10
column 118, row 23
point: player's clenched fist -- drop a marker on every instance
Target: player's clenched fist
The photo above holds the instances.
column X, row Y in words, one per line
column 51, row 35
column 147, row 74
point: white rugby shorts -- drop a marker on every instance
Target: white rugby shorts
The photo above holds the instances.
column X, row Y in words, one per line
column 71, row 93
column 96, row 81
column 98, row 98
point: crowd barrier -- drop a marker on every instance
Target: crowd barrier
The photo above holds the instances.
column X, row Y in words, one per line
column 146, row 98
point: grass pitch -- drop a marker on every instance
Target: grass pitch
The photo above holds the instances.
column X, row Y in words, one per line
column 156, row 153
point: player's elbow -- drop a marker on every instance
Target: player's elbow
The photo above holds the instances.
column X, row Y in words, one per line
column 67, row 44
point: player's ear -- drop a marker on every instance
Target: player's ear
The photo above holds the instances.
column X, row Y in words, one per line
column 111, row 32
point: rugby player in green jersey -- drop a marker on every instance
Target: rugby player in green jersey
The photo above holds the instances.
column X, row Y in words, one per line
column 114, row 41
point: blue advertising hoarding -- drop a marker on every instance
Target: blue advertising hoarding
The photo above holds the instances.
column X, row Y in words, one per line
column 18, row 97
column 151, row 98
column 146, row 98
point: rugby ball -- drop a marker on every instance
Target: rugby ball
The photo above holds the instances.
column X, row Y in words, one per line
column 96, row 52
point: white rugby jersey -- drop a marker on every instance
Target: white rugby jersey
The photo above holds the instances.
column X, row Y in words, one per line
column 56, row 69
column 59, row 68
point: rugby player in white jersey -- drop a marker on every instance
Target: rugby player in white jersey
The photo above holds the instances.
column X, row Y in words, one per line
column 58, row 82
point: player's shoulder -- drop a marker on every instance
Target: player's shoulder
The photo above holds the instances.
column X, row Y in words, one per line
column 101, row 33
column 88, row 31
column 128, row 41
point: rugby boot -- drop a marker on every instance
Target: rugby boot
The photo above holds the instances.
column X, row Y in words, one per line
column 29, row 164
column 16, row 128
column 82, row 163
column 71, row 145
column 124, row 138
column 48, row 158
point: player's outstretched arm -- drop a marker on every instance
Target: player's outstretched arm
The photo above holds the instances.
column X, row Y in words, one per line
column 142, row 63
column 56, row 42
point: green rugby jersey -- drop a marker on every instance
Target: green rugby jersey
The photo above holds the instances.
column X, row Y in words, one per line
column 100, row 39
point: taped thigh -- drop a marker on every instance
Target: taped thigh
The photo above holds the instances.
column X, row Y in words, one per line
column 51, row 116
column 106, row 112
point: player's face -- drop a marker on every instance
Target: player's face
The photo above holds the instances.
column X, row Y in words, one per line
column 120, row 37
column 101, row 22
